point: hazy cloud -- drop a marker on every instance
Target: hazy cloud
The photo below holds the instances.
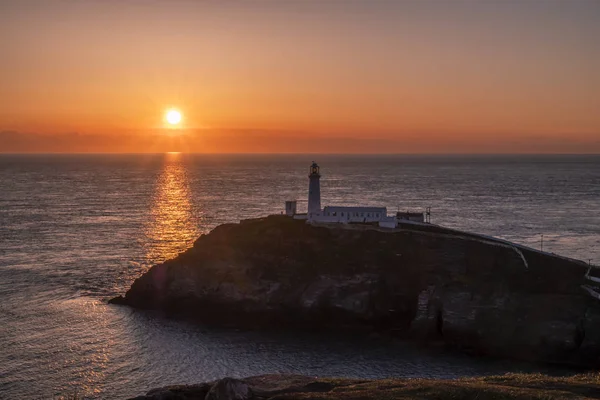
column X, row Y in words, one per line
column 256, row 141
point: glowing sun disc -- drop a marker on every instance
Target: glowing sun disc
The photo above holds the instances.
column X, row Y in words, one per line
column 173, row 117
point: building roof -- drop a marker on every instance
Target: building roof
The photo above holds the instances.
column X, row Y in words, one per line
column 354, row 209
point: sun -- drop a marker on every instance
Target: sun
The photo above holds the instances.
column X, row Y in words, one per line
column 173, row 117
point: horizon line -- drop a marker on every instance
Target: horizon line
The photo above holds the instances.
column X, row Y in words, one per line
column 302, row 153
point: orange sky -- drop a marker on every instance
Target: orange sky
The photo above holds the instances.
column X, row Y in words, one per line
column 304, row 76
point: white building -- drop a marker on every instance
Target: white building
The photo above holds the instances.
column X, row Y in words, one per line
column 355, row 214
column 344, row 215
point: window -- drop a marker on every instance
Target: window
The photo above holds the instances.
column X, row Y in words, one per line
column 342, row 214
column 362, row 214
column 334, row 213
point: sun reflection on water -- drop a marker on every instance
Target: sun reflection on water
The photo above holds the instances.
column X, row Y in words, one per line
column 172, row 227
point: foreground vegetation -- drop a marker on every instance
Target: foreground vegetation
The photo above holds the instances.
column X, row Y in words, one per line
column 511, row 386
column 287, row 387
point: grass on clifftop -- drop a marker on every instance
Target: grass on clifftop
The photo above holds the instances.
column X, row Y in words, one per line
column 510, row 386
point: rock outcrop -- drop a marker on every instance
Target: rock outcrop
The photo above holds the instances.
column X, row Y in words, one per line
column 475, row 293
column 288, row 387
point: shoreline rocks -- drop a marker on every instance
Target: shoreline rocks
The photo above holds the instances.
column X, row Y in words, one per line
column 429, row 283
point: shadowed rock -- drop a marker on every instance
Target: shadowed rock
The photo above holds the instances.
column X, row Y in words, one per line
column 424, row 282
column 229, row 389
column 288, row 387
column 178, row 392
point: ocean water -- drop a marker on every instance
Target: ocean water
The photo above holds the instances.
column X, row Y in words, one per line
column 76, row 230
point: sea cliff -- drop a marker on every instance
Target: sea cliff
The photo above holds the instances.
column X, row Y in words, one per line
column 423, row 282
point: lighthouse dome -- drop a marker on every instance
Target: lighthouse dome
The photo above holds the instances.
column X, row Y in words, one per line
column 314, row 169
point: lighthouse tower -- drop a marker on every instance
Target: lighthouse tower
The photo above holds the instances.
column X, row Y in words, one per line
column 314, row 190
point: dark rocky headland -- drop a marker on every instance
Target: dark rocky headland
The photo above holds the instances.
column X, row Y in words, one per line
column 421, row 282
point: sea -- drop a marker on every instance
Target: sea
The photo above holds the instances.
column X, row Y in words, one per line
column 77, row 230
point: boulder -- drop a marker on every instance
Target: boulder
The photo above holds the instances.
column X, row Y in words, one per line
column 229, row 389
column 178, row 392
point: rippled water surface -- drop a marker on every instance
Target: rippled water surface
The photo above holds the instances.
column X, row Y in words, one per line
column 78, row 229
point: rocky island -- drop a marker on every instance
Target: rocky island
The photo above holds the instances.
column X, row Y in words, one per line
column 418, row 281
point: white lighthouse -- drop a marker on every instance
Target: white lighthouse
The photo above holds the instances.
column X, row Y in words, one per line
column 344, row 215
column 314, row 190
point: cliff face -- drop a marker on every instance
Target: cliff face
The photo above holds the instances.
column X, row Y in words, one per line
column 429, row 283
